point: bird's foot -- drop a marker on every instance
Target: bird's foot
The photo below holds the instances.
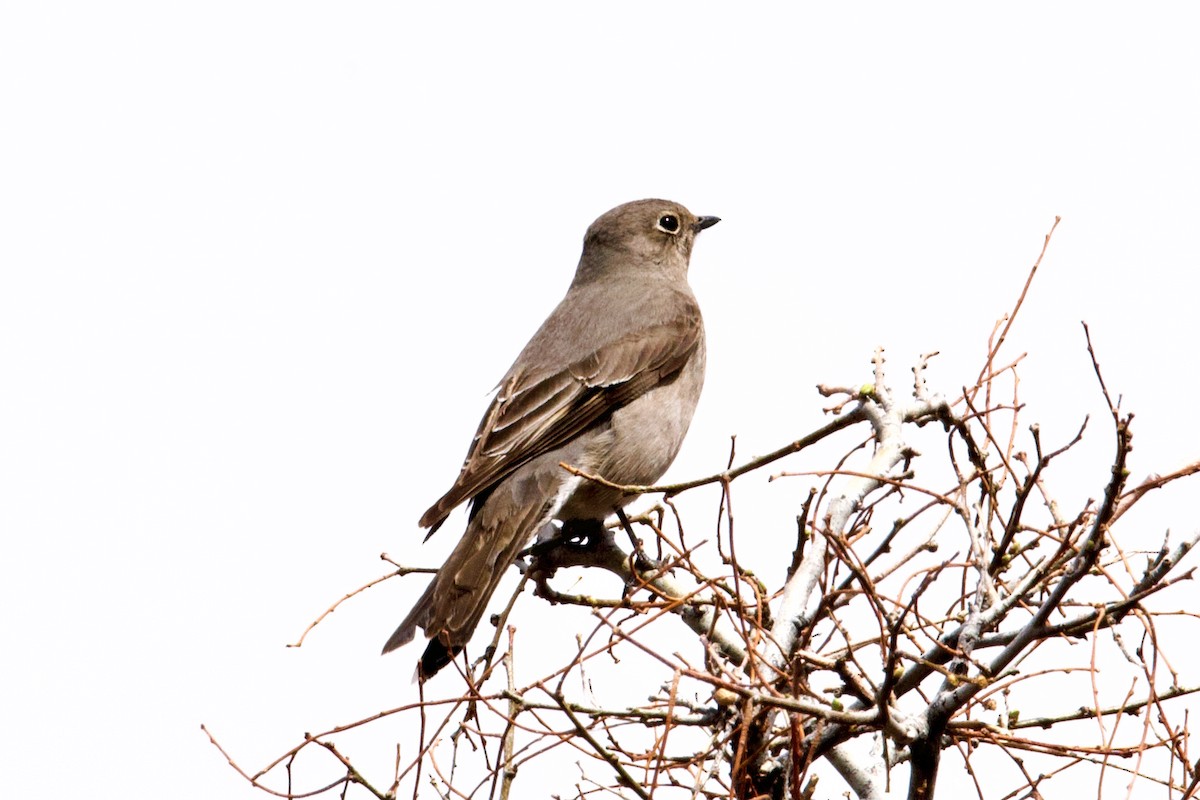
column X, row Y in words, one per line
column 578, row 535
column 579, row 543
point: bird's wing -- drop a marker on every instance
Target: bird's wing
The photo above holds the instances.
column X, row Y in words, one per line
column 536, row 412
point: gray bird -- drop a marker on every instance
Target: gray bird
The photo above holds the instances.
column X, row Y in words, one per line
column 608, row 384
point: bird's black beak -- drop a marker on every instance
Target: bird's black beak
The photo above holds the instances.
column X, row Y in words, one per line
column 704, row 222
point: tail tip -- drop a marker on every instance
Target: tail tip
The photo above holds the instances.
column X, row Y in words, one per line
column 403, row 635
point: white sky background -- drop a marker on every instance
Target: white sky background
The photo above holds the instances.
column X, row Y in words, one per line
column 262, row 263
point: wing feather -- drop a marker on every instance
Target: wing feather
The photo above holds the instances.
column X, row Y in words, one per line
column 536, row 412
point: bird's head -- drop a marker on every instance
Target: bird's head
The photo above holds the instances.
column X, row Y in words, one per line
column 642, row 235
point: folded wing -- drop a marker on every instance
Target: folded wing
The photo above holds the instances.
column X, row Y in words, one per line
column 536, row 412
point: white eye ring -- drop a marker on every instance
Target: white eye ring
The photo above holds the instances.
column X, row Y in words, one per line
column 668, row 223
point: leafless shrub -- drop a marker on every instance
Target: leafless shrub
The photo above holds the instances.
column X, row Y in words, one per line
column 917, row 622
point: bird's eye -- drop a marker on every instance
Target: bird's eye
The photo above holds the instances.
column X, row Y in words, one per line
column 668, row 223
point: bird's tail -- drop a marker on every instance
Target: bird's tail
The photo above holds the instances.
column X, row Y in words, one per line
column 457, row 598
column 416, row 618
